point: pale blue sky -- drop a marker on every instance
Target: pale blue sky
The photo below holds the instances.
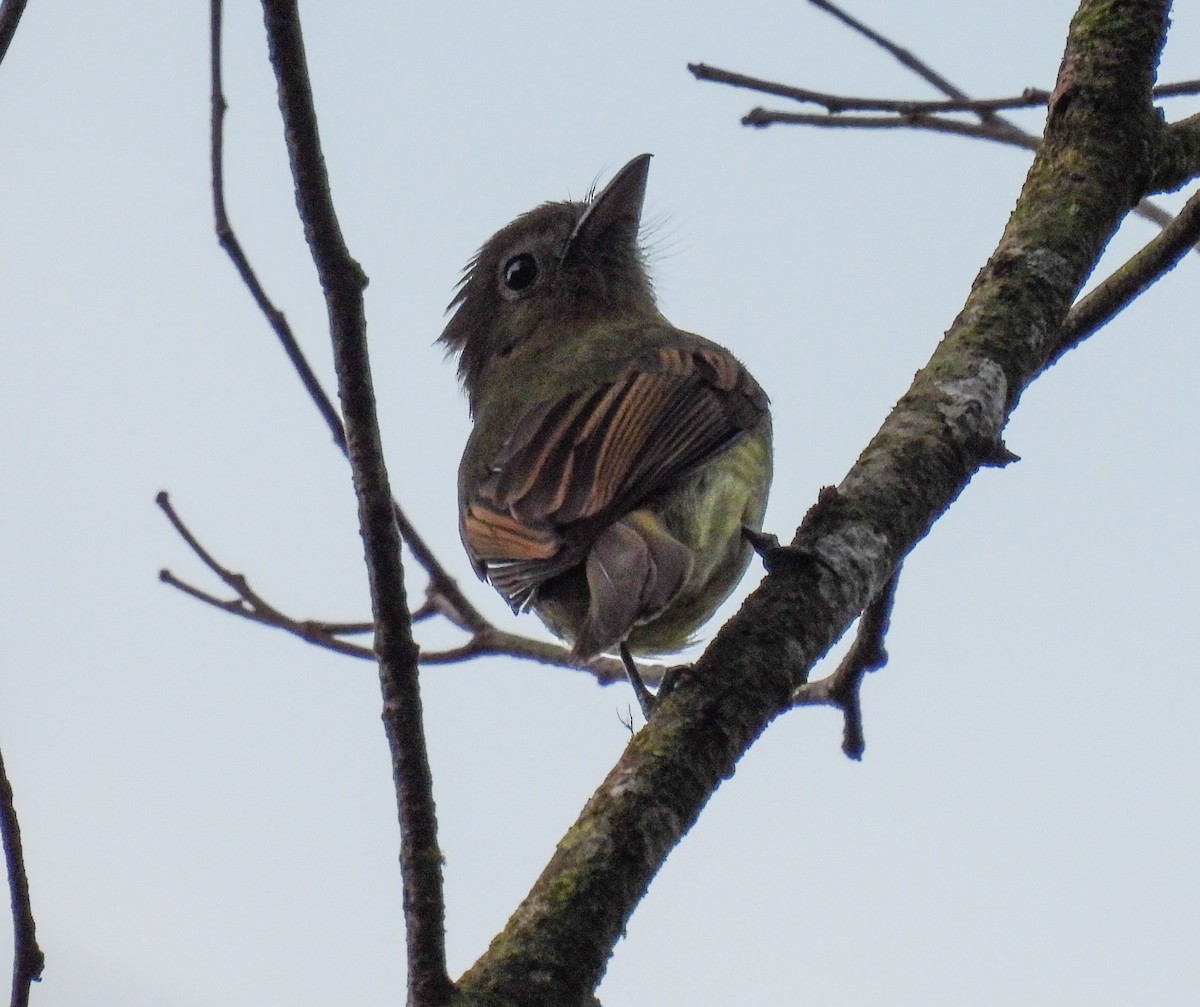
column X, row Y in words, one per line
column 207, row 804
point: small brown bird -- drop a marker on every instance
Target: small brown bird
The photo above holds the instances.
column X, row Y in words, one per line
column 615, row 459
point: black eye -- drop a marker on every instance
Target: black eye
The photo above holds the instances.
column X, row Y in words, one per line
column 520, row 272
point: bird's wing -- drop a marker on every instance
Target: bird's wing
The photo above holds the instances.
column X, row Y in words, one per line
column 575, row 465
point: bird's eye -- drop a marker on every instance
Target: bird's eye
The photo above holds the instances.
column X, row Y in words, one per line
column 520, row 273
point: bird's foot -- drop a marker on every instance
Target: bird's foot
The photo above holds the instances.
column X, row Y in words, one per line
column 670, row 679
column 774, row 555
column 648, row 700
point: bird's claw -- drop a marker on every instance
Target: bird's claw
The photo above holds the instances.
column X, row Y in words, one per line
column 775, row 555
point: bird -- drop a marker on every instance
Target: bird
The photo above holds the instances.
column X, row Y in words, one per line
column 618, row 467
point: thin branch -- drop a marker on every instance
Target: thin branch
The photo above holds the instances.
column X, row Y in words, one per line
column 348, row 628
column 490, row 642
column 1154, row 213
column 1031, row 97
column 342, row 281
column 1007, row 131
column 992, row 125
column 494, row 642
column 228, row 240
column 834, row 103
column 485, row 641
column 762, row 117
column 1153, row 261
column 28, row 960
column 866, row 654
column 904, row 56
column 10, row 17
column 1180, row 87
column 319, row 634
column 233, row 580
column 248, row 604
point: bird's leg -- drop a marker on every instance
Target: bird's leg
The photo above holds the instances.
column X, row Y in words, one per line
column 645, row 697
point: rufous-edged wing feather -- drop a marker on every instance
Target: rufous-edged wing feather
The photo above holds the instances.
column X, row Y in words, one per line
column 575, row 465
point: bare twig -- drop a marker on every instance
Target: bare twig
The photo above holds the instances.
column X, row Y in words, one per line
column 228, row 240
column 342, row 281
column 227, row 237
column 867, row 653
column 248, row 604
column 28, row 960
column 904, row 56
column 493, row 642
column 1007, row 131
column 912, row 115
column 319, row 634
column 1153, row 261
column 486, row 641
column 1180, row 87
column 762, row 117
column 834, row 103
column 1031, row 97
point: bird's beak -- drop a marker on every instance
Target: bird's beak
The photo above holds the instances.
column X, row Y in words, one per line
column 616, row 208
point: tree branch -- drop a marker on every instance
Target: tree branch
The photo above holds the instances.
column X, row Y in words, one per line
column 762, row 117
column 1178, row 160
column 1090, row 169
column 1152, row 262
column 902, row 55
column 866, row 654
column 921, row 115
column 342, row 281
column 228, row 239
column 248, row 604
column 835, row 103
column 28, row 960
column 485, row 641
column 10, row 17
column 441, row 580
